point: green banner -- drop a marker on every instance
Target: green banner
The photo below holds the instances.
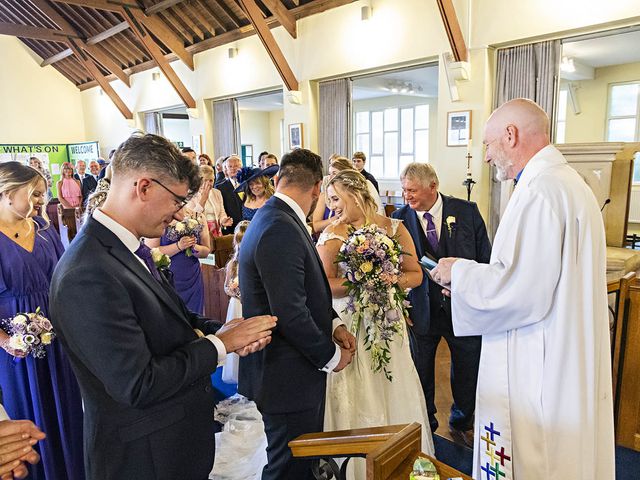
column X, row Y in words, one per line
column 50, row 155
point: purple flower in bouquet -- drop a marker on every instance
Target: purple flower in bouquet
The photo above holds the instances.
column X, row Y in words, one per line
column 189, row 227
column 29, row 333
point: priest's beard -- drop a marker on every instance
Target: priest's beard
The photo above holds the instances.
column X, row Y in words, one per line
column 503, row 166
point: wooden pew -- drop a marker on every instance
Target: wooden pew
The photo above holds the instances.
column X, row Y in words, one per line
column 389, row 451
column 222, row 248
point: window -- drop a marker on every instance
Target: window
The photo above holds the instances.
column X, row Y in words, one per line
column 636, row 169
column 561, row 124
column 623, row 112
column 392, row 138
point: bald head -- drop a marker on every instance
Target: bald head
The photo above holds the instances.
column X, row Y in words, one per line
column 514, row 133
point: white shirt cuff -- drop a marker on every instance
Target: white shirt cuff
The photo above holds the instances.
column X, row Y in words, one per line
column 333, row 363
column 222, row 350
column 336, row 323
column 3, row 414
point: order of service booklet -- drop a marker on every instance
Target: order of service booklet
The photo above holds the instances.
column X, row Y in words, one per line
column 428, row 263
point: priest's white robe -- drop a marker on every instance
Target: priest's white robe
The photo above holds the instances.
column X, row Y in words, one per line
column 544, row 398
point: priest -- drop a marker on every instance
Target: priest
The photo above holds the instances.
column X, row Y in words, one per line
column 544, row 400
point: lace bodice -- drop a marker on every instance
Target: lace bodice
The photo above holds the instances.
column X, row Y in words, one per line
column 325, row 236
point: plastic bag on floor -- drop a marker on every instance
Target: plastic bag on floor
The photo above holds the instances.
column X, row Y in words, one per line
column 241, row 446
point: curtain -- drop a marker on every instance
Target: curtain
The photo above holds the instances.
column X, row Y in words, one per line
column 226, row 128
column 153, row 123
column 527, row 71
column 335, row 118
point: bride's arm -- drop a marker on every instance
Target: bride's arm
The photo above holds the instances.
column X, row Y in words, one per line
column 328, row 252
column 411, row 271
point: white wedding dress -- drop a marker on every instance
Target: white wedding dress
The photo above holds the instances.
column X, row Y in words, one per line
column 359, row 398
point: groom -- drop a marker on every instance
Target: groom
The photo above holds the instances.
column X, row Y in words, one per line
column 143, row 368
column 281, row 274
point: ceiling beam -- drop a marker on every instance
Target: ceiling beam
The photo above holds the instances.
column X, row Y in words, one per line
column 266, row 37
column 136, row 20
column 93, row 69
column 111, row 5
column 159, row 7
column 284, row 16
column 98, row 54
column 452, row 28
column 170, row 39
column 37, row 33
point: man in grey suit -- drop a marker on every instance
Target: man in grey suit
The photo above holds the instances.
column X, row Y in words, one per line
column 142, row 359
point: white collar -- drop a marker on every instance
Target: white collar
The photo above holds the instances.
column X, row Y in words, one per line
column 125, row 236
column 435, row 210
column 294, row 206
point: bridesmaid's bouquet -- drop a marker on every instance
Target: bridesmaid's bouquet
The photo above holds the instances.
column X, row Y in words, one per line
column 186, row 228
column 29, row 333
column 371, row 261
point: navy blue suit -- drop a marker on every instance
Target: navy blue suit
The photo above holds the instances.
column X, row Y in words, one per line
column 431, row 311
column 88, row 185
column 281, row 274
column 232, row 204
column 143, row 372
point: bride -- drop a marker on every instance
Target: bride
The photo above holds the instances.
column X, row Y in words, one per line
column 358, row 397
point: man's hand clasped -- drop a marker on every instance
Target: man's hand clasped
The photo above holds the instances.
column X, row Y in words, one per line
column 17, row 438
column 245, row 336
column 347, row 343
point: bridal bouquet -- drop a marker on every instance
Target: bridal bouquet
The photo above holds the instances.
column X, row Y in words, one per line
column 29, row 333
column 371, row 261
column 186, row 228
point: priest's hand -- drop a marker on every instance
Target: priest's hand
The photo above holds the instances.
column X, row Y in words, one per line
column 240, row 333
column 344, row 338
column 442, row 272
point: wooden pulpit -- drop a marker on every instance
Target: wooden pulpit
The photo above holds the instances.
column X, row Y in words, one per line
column 389, row 451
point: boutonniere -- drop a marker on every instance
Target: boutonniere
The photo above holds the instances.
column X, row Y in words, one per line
column 451, row 223
column 161, row 260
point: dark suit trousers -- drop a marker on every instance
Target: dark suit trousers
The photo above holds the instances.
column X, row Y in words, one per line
column 465, row 358
column 280, row 430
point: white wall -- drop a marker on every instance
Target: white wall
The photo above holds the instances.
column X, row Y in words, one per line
column 177, row 130
column 254, row 130
column 37, row 105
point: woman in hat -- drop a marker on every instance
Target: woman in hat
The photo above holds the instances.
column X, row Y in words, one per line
column 257, row 187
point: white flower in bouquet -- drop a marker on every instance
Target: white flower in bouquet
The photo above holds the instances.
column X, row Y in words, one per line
column 20, row 319
column 191, row 223
column 16, row 342
column 46, row 338
column 180, row 227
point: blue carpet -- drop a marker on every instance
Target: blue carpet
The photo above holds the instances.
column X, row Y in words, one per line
column 461, row 458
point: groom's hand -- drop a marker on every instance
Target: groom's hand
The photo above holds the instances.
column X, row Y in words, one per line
column 253, row 333
column 345, row 359
column 345, row 339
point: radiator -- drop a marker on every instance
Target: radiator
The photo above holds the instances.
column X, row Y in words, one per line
column 634, row 204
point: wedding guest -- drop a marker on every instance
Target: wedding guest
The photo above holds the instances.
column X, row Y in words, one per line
column 69, row 189
column 43, row 390
column 103, row 165
column 190, row 153
column 363, row 395
column 17, row 441
column 205, row 159
column 231, row 199
column 185, row 253
column 322, row 214
column 143, row 360
column 257, row 188
column 232, row 289
column 544, row 395
column 270, row 160
column 442, row 226
column 359, row 159
column 220, row 176
column 35, row 162
column 88, row 181
column 209, row 201
column 262, row 160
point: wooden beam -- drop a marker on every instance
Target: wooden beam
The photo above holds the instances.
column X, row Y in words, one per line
column 107, row 62
column 452, row 28
column 37, row 33
column 93, row 69
column 166, row 36
column 111, row 5
column 266, row 37
column 159, row 7
column 136, row 20
column 283, row 15
column 207, row 8
column 185, row 15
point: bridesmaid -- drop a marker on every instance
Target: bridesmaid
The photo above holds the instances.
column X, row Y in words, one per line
column 187, row 276
column 43, row 390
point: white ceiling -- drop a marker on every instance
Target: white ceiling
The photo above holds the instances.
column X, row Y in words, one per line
column 373, row 86
column 605, row 51
column 268, row 102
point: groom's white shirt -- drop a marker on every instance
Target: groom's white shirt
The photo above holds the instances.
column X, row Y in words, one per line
column 333, row 363
column 132, row 243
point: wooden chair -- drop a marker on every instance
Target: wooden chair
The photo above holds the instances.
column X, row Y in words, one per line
column 222, row 248
column 68, row 218
column 389, row 451
column 389, row 209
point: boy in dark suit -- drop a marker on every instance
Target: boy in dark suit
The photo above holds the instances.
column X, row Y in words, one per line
column 442, row 226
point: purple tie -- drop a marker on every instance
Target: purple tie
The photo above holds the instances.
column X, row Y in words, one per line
column 144, row 253
column 432, row 234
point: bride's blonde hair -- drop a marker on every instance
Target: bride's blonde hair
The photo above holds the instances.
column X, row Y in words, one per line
column 355, row 183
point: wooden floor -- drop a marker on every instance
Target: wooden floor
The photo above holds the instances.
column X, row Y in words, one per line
column 443, row 389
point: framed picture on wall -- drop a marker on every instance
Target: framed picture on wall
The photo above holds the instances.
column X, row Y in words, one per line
column 458, row 128
column 295, row 135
